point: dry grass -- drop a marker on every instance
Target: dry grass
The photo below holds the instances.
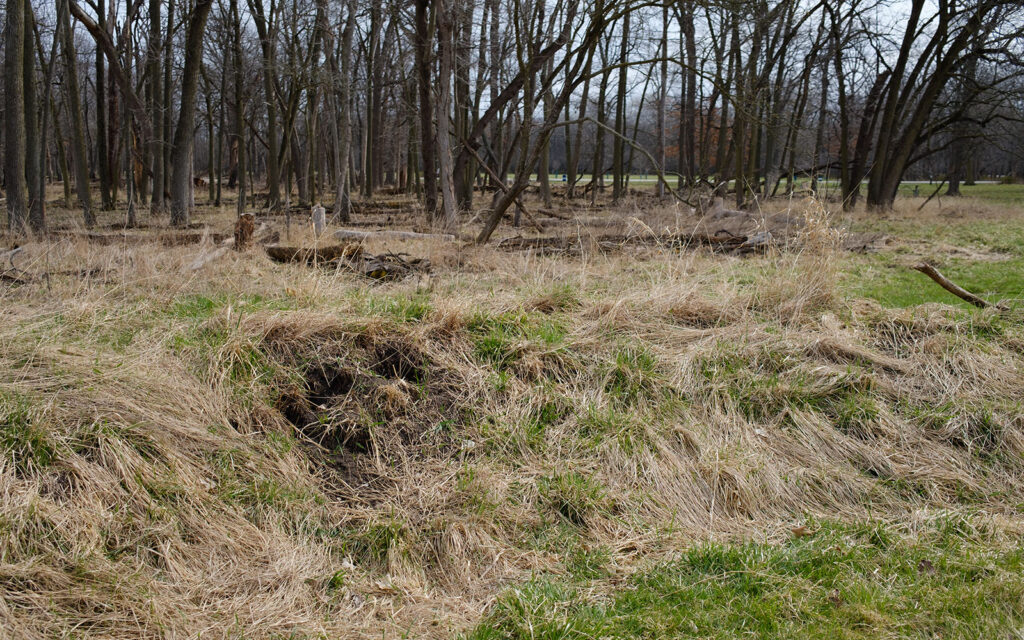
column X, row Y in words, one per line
column 455, row 433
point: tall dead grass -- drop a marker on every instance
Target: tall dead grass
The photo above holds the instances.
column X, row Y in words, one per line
column 154, row 483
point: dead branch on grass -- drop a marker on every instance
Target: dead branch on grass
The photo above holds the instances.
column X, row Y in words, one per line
column 954, row 288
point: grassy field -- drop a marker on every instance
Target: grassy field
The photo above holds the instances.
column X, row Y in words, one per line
column 844, row 581
column 617, row 442
column 985, row 191
column 1006, row 194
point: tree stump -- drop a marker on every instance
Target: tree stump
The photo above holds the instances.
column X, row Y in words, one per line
column 319, row 220
column 244, row 228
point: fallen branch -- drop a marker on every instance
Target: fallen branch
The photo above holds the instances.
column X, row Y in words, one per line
column 501, row 185
column 311, row 255
column 352, row 234
column 610, row 241
column 952, row 287
column 934, row 193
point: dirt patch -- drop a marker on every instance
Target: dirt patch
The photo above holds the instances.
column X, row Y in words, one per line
column 364, row 399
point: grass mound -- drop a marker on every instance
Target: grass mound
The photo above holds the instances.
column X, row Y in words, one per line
column 273, row 451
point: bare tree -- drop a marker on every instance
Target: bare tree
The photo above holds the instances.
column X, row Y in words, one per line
column 14, row 115
column 181, row 153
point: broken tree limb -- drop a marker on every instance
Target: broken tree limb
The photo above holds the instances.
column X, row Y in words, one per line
column 501, row 185
column 612, row 241
column 934, row 193
column 9, row 255
column 352, row 234
column 952, row 287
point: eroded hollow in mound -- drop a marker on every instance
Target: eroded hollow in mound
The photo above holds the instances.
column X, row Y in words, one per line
column 363, row 394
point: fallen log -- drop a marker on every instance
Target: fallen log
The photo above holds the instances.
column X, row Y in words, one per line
column 312, row 255
column 953, row 288
column 351, row 258
column 721, row 243
column 182, row 239
column 390, row 266
column 352, row 234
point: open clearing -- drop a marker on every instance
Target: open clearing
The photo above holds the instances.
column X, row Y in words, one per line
column 604, row 440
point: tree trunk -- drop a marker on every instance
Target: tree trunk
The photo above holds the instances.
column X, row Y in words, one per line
column 238, row 108
column 14, row 116
column 79, row 151
column 662, row 96
column 423, row 65
column 33, row 152
column 156, row 153
column 342, row 203
column 444, row 151
column 266, row 29
column 181, row 157
column 166, row 94
column 618, row 148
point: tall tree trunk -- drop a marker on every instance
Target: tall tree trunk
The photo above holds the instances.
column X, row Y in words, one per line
column 662, row 95
column 62, row 155
column 423, row 66
column 574, row 159
column 444, row 152
column 221, row 127
column 688, row 108
column 14, row 116
column 266, row 29
column 597, row 166
column 156, row 142
column 181, row 157
column 463, row 27
column 33, row 153
column 129, row 162
column 495, row 129
column 102, row 154
column 210, row 186
column 618, row 149
column 167, row 93
column 238, row 108
column 79, row 151
column 544, row 165
column 342, row 204
column 370, row 151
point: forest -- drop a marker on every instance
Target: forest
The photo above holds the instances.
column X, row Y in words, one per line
column 512, row 319
column 292, row 103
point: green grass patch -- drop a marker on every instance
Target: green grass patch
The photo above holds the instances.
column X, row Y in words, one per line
column 884, row 278
column 573, row 496
column 633, row 377
column 194, row 307
column 846, row 581
column 23, row 440
column 1009, row 194
column 500, row 339
column 402, row 308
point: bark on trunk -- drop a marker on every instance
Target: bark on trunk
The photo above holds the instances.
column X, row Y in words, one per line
column 181, row 156
column 14, row 116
